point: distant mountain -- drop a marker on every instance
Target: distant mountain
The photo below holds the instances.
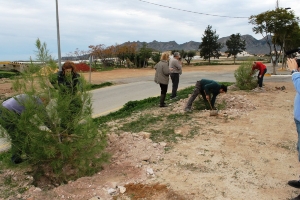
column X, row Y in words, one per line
column 253, row 46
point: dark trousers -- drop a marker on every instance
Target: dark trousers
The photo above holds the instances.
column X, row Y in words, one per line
column 163, row 88
column 260, row 79
column 196, row 92
column 175, row 82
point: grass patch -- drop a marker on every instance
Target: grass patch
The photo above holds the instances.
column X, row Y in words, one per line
column 97, row 86
column 8, row 74
column 142, row 124
column 165, row 134
column 135, row 106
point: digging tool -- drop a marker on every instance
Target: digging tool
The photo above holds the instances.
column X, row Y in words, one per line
column 212, row 111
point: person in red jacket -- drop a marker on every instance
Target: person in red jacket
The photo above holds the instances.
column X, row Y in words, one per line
column 262, row 70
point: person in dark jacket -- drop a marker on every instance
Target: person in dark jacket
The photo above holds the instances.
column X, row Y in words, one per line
column 206, row 88
column 68, row 80
column 68, row 84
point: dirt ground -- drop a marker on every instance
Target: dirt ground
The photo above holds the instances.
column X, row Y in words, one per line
column 248, row 151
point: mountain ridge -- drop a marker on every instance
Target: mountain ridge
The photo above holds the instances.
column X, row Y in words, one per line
column 253, row 46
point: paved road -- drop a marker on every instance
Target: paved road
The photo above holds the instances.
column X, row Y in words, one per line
column 109, row 99
column 112, row 98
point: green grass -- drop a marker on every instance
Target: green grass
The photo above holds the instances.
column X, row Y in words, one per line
column 142, row 124
column 8, row 74
column 97, row 86
column 135, row 106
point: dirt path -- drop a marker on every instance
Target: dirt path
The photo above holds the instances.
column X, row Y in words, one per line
column 247, row 152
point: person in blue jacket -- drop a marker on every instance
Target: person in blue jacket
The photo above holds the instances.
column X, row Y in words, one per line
column 206, row 88
column 293, row 66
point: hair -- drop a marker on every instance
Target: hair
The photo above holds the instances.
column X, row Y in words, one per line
column 224, row 88
column 69, row 65
column 176, row 54
column 164, row 56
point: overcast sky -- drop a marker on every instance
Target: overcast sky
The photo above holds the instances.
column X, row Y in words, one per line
column 110, row 22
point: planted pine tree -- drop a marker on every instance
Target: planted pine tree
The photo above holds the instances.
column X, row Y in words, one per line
column 244, row 77
column 60, row 140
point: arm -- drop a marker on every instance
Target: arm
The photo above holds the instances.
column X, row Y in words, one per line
column 213, row 99
column 293, row 66
column 166, row 70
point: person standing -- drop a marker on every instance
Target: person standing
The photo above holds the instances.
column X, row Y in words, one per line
column 262, row 70
column 206, row 88
column 175, row 66
column 68, row 83
column 292, row 65
column 162, row 77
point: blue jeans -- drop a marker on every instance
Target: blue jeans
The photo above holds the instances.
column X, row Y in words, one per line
column 298, row 131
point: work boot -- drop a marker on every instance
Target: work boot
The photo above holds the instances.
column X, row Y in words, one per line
column 162, row 101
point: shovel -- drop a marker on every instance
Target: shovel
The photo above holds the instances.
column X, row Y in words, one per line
column 212, row 112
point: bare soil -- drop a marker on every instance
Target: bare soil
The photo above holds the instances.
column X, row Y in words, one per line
column 247, row 151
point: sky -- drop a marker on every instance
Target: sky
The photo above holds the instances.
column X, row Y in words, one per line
column 111, row 22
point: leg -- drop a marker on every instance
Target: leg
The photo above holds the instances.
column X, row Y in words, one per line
column 163, row 93
column 175, row 82
column 296, row 183
column 193, row 97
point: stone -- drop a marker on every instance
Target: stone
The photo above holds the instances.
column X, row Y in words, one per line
column 122, row 189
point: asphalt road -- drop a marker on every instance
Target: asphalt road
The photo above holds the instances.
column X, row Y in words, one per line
column 112, row 98
column 109, row 99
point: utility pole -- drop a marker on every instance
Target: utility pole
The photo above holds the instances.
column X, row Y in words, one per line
column 277, row 4
column 58, row 38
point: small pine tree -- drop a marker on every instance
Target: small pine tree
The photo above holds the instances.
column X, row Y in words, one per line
column 60, row 141
column 244, row 77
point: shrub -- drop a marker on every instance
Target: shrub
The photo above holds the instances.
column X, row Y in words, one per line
column 83, row 67
column 244, row 78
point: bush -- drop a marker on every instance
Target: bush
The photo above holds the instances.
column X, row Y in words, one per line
column 82, row 67
column 244, row 78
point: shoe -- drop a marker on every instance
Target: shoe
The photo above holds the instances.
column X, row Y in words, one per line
column 163, row 105
column 16, row 159
column 294, row 183
column 188, row 110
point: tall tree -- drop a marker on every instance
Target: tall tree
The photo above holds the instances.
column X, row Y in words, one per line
column 235, row 44
column 210, row 47
column 274, row 26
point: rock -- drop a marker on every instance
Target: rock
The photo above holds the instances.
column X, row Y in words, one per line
column 145, row 158
column 150, row 171
column 163, row 144
column 145, row 134
column 37, row 189
column 122, row 189
column 111, row 191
